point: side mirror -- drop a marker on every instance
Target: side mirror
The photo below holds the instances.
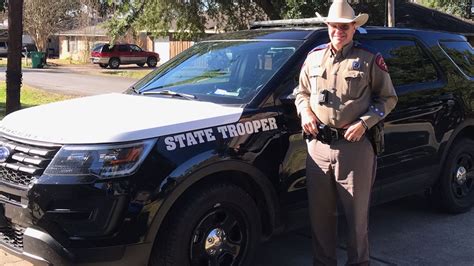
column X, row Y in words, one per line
column 288, row 99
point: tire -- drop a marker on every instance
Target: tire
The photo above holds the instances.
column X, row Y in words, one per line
column 103, row 65
column 455, row 189
column 114, row 63
column 141, row 64
column 152, row 61
column 224, row 214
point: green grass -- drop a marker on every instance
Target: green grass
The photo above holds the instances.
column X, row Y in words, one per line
column 30, row 97
column 27, row 64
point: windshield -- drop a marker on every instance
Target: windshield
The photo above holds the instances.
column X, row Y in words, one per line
column 226, row 72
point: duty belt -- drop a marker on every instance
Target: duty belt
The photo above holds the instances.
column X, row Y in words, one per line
column 327, row 134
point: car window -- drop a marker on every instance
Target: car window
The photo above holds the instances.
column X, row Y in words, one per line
column 135, row 48
column 123, row 48
column 3, row 44
column 222, row 71
column 106, row 48
column 406, row 61
column 99, row 48
column 462, row 55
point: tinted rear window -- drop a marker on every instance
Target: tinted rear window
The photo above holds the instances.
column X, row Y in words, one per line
column 101, row 48
column 462, row 55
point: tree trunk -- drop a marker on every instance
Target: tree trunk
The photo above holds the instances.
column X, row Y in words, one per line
column 15, row 32
column 391, row 13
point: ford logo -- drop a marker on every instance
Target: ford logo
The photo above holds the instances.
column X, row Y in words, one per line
column 4, row 154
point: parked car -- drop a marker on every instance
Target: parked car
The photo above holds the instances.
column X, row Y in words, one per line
column 26, row 48
column 203, row 158
column 120, row 54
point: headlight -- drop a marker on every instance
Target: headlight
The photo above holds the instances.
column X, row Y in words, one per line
column 100, row 160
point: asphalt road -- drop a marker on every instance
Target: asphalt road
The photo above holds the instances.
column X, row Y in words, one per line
column 73, row 81
column 404, row 232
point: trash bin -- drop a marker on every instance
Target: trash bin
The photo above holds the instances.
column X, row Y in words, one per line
column 37, row 59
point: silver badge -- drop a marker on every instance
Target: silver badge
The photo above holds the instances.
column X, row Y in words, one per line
column 355, row 65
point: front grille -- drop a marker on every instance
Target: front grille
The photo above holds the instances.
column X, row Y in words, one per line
column 25, row 162
column 12, row 236
column 15, row 177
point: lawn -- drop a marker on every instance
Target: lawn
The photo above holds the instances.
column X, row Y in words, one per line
column 30, row 97
column 24, row 64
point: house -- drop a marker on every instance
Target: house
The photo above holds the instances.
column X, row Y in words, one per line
column 77, row 43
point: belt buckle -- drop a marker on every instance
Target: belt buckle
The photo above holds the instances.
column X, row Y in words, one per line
column 334, row 134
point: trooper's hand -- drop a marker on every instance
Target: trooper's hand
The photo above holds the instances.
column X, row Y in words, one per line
column 309, row 122
column 355, row 131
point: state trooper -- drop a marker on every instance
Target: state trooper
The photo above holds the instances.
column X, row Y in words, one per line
column 344, row 90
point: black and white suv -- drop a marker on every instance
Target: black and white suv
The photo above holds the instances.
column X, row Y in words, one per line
column 203, row 158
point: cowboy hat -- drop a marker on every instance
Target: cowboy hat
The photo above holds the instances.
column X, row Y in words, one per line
column 341, row 12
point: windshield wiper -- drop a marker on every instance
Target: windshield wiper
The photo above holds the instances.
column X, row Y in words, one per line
column 171, row 93
column 134, row 89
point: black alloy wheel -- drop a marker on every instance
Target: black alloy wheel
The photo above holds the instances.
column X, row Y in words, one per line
column 219, row 237
column 215, row 226
column 114, row 63
column 456, row 185
column 152, row 61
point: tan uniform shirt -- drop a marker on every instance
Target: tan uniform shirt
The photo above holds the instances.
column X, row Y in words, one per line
column 357, row 81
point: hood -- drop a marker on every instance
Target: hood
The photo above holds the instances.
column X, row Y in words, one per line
column 114, row 118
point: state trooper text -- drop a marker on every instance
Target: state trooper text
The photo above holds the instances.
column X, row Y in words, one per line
column 226, row 131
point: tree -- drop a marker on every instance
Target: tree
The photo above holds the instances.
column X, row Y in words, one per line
column 42, row 18
column 189, row 16
column 454, row 7
column 305, row 9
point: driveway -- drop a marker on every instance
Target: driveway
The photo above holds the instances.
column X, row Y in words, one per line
column 73, row 80
column 404, row 232
column 409, row 231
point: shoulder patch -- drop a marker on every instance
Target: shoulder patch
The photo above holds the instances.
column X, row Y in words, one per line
column 320, row 47
column 380, row 62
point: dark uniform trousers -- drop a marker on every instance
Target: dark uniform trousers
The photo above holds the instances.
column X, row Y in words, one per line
column 343, row 170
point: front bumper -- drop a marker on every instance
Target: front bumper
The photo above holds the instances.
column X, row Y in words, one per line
column 47, row 237
column 40, row 248
column 100, row 60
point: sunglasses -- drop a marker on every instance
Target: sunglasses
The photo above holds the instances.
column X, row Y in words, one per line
column 342, row 27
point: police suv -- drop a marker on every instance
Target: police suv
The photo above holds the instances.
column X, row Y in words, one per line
column 204, row 157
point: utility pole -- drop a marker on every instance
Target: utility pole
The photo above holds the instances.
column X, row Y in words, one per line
column 14, row 75
column 391, row 13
